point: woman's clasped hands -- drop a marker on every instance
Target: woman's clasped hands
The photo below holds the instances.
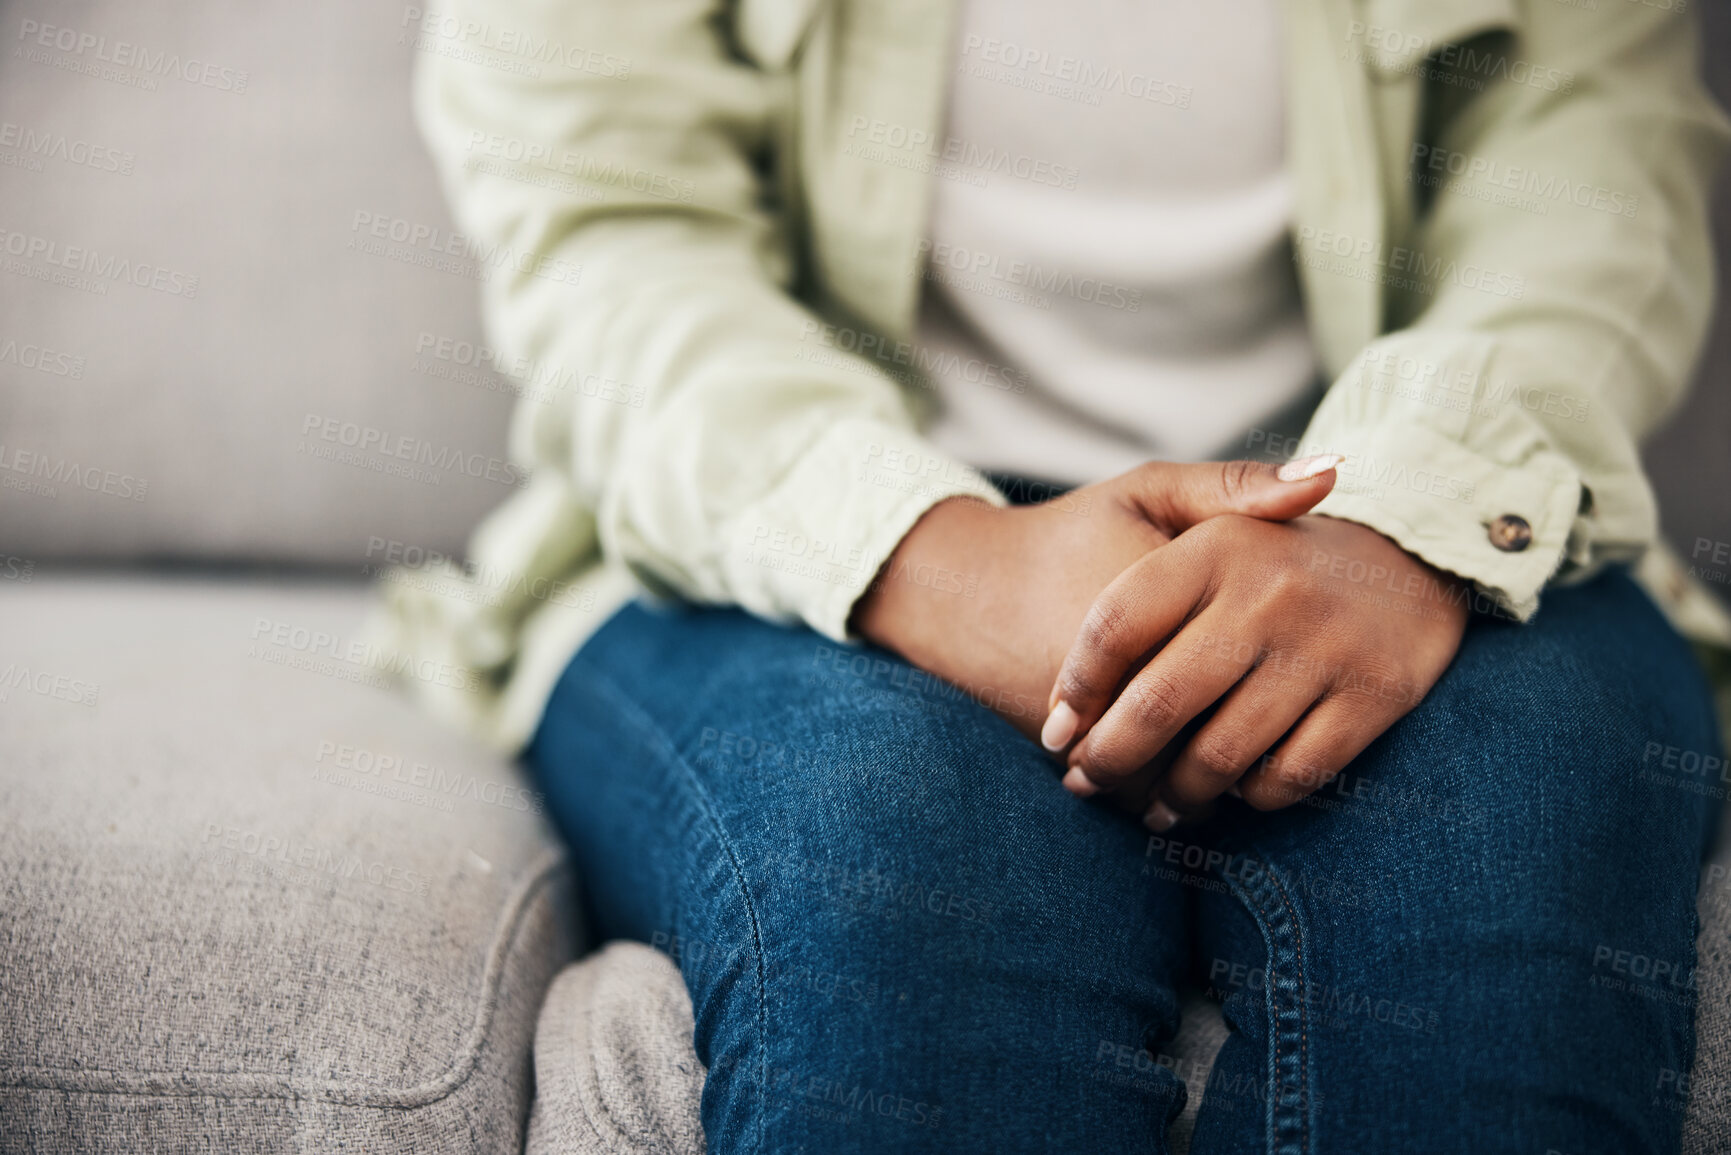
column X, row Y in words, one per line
column 1179, row 631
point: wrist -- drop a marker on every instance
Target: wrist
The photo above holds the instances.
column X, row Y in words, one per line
column 1439, row 594
column 900, row 615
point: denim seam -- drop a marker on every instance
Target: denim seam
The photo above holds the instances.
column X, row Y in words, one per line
column 1282, row 931
column 1300, row 970
column 631, row 711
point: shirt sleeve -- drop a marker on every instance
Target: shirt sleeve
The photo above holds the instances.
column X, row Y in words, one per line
column 614, row 165
column 1547, row 309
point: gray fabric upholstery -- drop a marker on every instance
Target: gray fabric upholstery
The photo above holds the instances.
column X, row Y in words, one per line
column 173, row 979
column 1200, row 1034
column 1687, row 460
column 1705, row 1096
column 615, row 1069
column 205, row 399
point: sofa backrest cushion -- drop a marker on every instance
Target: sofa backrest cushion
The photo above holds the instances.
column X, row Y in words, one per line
column 228, row 325
column 232, row 324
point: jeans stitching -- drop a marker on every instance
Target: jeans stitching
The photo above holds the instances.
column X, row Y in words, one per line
column 1300, row 970
column 629, row 709
column 1285, row 943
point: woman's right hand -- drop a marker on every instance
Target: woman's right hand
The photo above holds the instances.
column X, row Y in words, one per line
column 1034, row 571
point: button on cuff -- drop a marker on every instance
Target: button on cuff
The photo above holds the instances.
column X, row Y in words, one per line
column 1510, row 533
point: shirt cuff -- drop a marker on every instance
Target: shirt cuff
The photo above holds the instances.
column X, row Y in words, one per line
column 812, row 546
column 1507, row 528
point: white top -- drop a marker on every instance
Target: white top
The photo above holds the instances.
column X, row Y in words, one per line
column 1110, row 278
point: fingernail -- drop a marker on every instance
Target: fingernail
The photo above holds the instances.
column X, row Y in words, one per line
column 1079, row 783
column 1306, row 468
column 1060, row 727
column 1160, row 818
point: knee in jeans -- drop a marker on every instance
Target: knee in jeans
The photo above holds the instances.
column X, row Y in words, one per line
column 1548, row 764
column 932, row 825
column 1542, row 721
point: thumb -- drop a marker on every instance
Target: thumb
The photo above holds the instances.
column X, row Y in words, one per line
column 1176, row 497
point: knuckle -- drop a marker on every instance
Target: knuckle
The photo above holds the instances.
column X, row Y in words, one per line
column 1155, row 701
column 1220, row 753
column 1289, row 580
column 1076, row 682
column 1207, row 541
column 1236, row 477
column 1378, row 686
column 1102, row 631
column 1076, row 688
column 1232, row 523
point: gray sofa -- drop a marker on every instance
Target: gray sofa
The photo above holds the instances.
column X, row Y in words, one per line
column 249, row 900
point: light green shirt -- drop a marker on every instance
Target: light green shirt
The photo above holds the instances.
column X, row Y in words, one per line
column 712, row 215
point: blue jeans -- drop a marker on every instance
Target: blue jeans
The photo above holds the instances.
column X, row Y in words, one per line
column 900, row 934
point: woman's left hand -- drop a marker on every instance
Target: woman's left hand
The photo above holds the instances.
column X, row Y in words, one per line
column 1307, row 639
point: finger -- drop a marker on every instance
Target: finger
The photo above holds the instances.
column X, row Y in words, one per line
column 1252, row 719
column 1176, row 685
column 1133, row 795
column 1176, row 497
column 1335, row 731
column 1141, row 608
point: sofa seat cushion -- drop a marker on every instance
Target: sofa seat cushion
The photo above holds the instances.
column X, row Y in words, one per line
column 248, row 899
column 616, row 1071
